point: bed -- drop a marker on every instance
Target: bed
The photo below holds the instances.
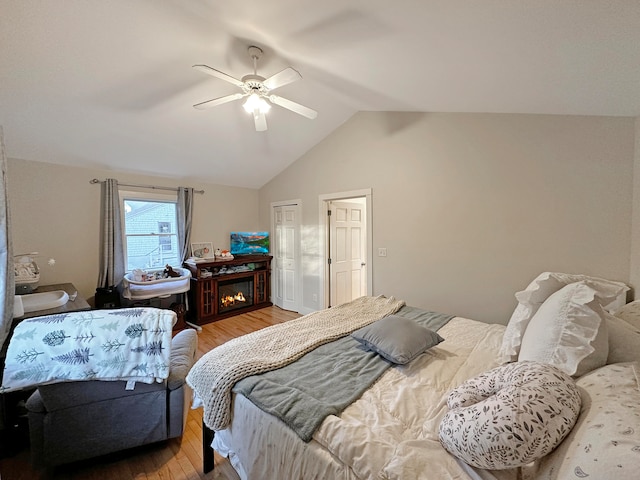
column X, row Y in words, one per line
column 392, row 429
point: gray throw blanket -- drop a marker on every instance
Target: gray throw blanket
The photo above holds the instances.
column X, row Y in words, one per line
column 217, row 371
column 324, row 381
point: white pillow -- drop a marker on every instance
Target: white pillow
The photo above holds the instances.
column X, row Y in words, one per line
column 605, row 441
column 612, row 295
column 568, row 331
column 624, row 340
column 630, row 313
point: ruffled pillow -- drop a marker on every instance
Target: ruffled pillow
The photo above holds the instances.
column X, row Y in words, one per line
column 568, row 331
column 611, row 295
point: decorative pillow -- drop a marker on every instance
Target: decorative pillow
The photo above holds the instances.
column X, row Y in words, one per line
column 630, row 313
column 624, row 340
column 510, row 416
column 568, row 331
column 605, row 442
column 612, row 295
column 398, row 339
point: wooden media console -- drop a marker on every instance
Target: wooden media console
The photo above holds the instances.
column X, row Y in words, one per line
column 223, row 288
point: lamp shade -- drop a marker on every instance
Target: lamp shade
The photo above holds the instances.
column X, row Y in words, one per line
column 256, row 103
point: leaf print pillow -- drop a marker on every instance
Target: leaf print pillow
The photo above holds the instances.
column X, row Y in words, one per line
column 510, row 416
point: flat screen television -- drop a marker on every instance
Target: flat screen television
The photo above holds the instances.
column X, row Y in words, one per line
column 249, row 243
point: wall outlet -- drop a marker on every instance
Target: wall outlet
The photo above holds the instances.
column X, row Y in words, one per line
column 315, row 297
column 382, row 252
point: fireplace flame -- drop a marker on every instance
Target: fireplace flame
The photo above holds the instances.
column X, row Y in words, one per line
column 229, row 300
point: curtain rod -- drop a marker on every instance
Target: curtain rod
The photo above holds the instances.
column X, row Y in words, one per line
column 152, row 187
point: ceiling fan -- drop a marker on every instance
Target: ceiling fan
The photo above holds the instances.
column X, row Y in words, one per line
column 258, row 90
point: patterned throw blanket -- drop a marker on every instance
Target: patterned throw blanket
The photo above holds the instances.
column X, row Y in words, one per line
column 213, row 376
column 125, row 344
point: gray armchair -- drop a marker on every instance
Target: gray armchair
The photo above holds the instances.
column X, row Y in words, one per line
column 78, row 420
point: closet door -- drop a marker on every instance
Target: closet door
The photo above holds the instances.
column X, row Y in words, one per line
column 286, row 257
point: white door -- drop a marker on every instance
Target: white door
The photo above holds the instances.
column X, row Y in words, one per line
column 286, row 294
column 347, row 251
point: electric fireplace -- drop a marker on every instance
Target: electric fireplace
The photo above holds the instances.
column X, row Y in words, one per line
column 235, row 294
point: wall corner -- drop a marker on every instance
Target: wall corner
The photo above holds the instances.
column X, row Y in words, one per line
column 634, row 267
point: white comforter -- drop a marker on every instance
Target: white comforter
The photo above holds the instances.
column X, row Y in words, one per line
column 391, row 432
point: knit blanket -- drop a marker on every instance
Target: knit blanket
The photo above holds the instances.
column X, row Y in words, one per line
column 215, row 373
column 132, row 344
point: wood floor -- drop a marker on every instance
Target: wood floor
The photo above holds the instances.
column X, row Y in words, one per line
column 175, row 459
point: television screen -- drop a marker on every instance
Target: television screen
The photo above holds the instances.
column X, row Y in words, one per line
column 247, row 243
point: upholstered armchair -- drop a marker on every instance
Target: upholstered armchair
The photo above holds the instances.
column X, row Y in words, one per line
column 77, row 420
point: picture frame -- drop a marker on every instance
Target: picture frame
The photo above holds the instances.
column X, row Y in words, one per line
column 202, row 250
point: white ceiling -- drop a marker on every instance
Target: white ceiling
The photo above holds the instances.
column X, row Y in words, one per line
column 109, row 83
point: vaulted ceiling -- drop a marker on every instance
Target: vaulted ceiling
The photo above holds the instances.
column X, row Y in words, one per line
column 110, row 83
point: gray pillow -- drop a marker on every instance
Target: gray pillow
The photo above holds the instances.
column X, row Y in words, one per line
column 398, row 339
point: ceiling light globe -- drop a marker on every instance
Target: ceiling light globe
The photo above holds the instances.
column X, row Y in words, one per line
column 256, row 103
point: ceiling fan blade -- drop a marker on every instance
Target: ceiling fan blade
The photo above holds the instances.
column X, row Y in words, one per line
column 217, row 73
column 286, row 76
column 260, row 120
column 218, row 101
column 294, row 107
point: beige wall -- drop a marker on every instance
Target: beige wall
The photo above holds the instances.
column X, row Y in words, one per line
column 55, row 211
column 471, row 207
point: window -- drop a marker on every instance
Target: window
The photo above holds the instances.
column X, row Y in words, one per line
column 150, row 230
column 166, row 241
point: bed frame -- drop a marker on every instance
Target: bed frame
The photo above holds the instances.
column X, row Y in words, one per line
column 207, row 449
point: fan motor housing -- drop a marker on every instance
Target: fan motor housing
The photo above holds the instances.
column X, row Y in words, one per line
column 254, row 83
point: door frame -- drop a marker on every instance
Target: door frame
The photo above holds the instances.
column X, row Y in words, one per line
column 323, row 239
column 298, row 262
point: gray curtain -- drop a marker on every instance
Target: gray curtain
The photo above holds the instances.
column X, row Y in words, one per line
column 111, row 250
column 185, row 214
column 7, row 276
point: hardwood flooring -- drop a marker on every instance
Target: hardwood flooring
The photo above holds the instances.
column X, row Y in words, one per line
column 175, row 459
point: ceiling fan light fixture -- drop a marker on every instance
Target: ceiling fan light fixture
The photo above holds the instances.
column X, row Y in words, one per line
column 255, row 104
column 258, row 90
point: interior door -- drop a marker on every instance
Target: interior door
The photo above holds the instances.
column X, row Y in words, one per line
column 286, row 224
column 347, row 251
